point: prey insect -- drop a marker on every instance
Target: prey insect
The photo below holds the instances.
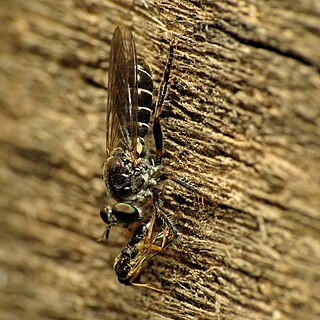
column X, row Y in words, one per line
column 150, row 238
column 132, row 176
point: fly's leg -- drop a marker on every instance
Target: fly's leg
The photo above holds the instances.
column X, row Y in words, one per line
column 152, row 221
column 164, row 240
column 167, row 222
column 202, row 197
column 155, row 247
column 105, row 235
column 148, row 240
column 144, row 285
column 157, row 132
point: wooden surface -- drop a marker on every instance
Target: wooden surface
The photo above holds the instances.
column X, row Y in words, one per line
column 242, row 123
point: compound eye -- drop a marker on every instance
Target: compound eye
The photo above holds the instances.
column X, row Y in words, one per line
column 125, row 213
column 105, row 214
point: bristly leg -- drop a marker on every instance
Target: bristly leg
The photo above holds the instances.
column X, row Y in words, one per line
column 157, row 132
column 167, row 221
column 205, row 199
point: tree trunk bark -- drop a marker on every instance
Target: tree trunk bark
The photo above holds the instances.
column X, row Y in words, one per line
column 241, row 123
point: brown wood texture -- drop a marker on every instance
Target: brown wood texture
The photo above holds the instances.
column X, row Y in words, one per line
column 242, row 123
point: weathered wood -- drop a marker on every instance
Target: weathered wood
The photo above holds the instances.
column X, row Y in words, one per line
column 242, row 123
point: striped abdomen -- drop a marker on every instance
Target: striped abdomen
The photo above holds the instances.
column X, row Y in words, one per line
column 145, row 106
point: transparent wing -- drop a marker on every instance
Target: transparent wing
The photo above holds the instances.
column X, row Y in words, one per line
column 159, row 241
column 122, row 103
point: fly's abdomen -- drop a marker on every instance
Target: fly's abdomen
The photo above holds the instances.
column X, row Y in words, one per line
column 145, row 106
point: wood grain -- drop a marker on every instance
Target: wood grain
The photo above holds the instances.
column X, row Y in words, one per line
column 241, row 122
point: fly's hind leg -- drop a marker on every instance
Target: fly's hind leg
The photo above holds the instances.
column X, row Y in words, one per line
column 157, row 132
column 169, row 224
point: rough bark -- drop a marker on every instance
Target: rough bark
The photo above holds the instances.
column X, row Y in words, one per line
column 242, row 123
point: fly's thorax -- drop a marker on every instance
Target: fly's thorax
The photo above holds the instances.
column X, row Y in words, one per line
column 145, row 94
column 116, row 174
column 124, row 180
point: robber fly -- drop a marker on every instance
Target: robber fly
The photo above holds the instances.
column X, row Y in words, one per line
column 131, row 175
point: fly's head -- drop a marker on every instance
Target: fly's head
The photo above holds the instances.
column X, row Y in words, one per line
column 120, row 213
